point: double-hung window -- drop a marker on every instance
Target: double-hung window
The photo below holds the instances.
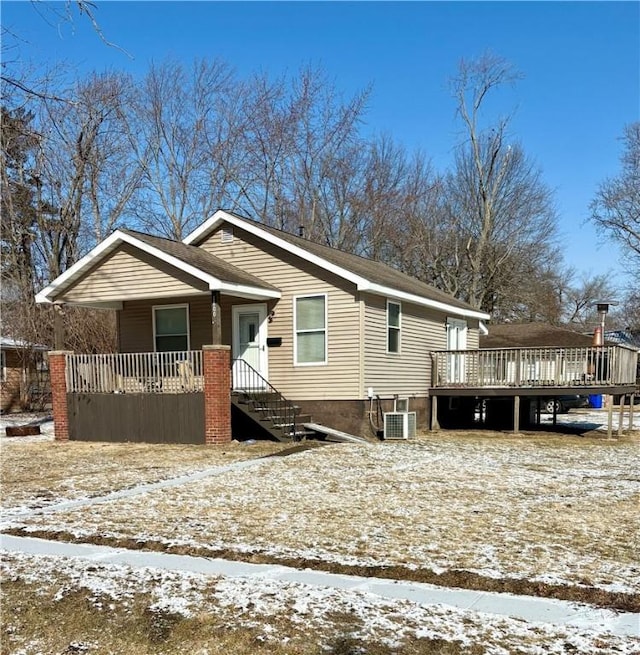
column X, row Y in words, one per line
column 171, row 327
column 310, row 326
column 393, row 326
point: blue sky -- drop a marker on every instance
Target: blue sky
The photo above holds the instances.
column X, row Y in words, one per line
column 580, row 60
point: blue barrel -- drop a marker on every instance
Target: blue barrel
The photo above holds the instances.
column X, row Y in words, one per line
column 595, row 401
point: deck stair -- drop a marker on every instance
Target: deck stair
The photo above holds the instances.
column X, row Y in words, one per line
column 260, row 401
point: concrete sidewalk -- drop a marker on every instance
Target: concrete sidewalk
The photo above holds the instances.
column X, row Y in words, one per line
column 527, row 608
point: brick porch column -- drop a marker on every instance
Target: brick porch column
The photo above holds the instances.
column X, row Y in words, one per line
column 217, row 394
column 57, row 366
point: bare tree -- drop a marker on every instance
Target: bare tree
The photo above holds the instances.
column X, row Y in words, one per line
column 497, row 206
column 582, row 295
column 81, row 151
column 299, row 155
column 171, row 133
column 616, row 206
column 629, row 311
column 14, row 74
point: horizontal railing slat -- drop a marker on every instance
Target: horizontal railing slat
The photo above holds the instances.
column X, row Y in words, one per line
column 161, row 372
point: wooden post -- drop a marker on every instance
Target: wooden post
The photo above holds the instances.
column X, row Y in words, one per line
column 609, row 417
column 216, row 319
column 516, row 414
column 621, row 414
column 434, row 413
column 58, row 327
column 632, row 402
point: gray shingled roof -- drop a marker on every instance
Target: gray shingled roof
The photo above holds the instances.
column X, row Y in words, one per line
column 373, row 271
column 202, row 260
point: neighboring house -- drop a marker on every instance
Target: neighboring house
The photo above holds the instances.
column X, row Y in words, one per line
column 533, row 335
column 23, row 375
column 329, row 330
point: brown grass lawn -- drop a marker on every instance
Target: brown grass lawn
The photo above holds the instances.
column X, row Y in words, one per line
column 557, row 514
column 36, row 474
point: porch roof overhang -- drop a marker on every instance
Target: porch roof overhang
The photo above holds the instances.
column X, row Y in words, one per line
column 356, row 270
column 214, row 273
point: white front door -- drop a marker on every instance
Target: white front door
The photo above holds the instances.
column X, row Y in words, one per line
column 249, row 345
column 456, row 340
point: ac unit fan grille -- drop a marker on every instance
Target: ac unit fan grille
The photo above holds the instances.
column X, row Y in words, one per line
column 399, row 425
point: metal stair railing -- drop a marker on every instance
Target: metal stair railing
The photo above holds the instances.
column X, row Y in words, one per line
column 263, row 396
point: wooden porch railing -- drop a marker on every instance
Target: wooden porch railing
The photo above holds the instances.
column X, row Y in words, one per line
column 535, row 367
column 166, row 372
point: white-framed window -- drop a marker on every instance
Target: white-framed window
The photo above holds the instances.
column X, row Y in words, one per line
column 394, row 312
column 3, row 365
column 171, row 327
column 310, row 329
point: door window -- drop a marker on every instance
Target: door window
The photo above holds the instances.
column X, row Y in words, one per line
column 456, row 340
column 249, row 348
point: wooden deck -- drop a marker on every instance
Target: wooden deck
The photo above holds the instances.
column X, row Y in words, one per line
column 534, row 371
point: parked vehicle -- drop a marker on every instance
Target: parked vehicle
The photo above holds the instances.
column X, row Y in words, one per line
column 563, row 403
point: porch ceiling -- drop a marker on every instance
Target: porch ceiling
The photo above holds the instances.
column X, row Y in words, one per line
column 131, row 265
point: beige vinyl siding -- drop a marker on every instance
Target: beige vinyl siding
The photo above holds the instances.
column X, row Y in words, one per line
column 130, row 273
column 473, row 334
column 409, row 372
column 340, row 377
column 135, row 323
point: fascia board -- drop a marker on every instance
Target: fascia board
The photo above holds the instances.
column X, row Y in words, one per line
column 109, row 244
column 208, row 226
column 427, row 302
column 220, row 216
column 241, row 289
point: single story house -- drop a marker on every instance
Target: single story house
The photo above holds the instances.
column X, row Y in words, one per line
column 247, row 322
column 331, row 332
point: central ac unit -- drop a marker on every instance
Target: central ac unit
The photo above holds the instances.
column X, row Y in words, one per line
column 399, row 425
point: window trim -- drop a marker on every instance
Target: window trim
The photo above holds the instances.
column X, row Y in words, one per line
column 3, row 365
column 184, row 306
column 394, row 327
column 296, row 331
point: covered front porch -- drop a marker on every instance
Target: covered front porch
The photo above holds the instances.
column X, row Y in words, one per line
column 183, row 315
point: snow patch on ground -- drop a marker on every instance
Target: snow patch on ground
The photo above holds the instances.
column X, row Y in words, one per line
column 257, row 601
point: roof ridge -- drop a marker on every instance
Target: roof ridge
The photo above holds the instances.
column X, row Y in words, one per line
column 301, row 241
